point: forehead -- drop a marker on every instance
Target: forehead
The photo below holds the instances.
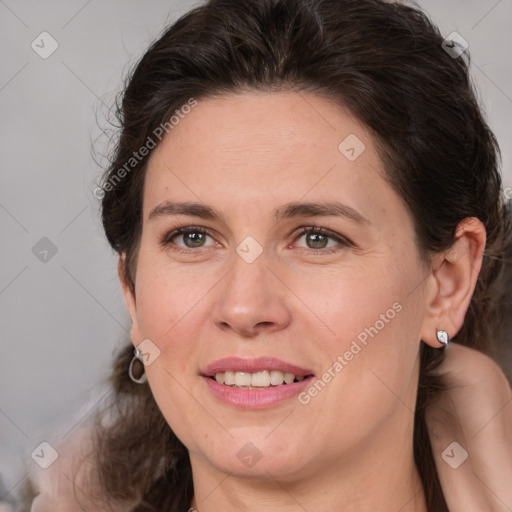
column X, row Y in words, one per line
column 241, row 151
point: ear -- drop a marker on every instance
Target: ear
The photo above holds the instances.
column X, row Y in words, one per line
column 453, row 281
column 129, row 299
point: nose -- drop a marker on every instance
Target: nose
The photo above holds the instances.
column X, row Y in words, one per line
column 252, row 299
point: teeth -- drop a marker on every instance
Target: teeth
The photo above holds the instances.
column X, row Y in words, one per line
column 276, row 378
column 229, row 378
column 243, row 379
column 262, row 379
column 288, row 378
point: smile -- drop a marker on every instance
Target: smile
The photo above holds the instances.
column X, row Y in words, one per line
column 255, row 383
column 261, row 379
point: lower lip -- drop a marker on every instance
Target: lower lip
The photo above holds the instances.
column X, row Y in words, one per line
column 256, row 398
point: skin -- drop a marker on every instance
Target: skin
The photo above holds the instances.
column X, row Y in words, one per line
column 476, row 412
column 245, row 155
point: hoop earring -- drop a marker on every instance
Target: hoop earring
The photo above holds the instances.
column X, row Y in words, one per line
column 137, row 359
column 443, row 338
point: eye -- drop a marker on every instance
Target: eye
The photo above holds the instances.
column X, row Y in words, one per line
column 193, row 237
column 319, row 238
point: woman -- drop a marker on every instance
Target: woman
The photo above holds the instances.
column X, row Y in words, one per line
column 307, row 207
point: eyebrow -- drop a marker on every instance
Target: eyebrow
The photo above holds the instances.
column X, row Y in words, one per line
column 286, row 211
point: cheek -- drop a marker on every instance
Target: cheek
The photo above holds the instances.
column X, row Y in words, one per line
column 169, row 305
column 372, row 342
column 167, row 297
column 364, row 304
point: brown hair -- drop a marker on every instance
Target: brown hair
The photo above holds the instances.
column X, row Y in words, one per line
column 384, row 61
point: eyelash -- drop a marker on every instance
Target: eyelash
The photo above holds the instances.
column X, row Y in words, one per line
column 342, row 241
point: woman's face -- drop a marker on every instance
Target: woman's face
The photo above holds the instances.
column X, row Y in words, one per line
column 345, row 309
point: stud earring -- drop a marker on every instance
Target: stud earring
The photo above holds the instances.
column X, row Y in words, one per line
column 443, row 338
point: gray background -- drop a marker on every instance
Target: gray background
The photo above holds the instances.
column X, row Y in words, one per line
column 62, row 318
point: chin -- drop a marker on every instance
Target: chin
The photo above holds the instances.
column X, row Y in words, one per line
column 252, row 453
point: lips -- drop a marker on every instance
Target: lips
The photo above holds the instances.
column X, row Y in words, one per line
column 239, row 364
column 261, row 394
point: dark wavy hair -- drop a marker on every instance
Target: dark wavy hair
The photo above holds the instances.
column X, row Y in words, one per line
column 384, row 62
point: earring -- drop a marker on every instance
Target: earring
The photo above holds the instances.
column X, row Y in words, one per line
column 141, row 374
column 442, row 337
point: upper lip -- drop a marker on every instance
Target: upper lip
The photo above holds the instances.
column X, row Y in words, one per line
column 239, row 364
